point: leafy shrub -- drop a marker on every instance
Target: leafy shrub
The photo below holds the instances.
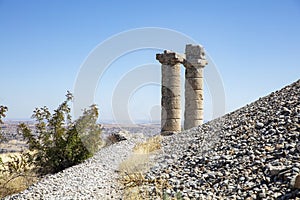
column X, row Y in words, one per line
column 3, row 110
column 57, row 142
column 114, row 138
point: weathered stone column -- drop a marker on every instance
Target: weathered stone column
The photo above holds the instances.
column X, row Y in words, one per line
column 170, row 90
column 194, row 64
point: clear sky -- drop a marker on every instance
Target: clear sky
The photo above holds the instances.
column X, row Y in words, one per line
column 255, row 45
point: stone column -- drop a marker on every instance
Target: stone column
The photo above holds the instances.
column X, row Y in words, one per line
column 194, row 64
column 170, row 90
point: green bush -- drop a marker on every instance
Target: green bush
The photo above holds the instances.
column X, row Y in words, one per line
column 57, row 142
column 3, row 110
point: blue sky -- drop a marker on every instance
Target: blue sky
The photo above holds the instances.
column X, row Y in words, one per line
column 254, row 44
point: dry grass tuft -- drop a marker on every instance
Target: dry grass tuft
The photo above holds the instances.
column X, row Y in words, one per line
column 132, row 172
column 151, row 145
column 137, row 187
column 135, row 163
column 139, row 160
column 11, row 183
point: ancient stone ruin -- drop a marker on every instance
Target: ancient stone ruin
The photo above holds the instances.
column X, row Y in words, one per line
column 194, row 61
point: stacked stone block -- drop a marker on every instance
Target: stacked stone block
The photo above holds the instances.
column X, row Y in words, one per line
column 194, row 63
column 171, row 91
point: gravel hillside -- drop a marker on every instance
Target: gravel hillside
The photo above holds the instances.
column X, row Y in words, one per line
column 96, row 178
column 252, row 153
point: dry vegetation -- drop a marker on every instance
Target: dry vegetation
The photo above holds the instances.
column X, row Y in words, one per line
column 7, row 156
column 151, row 145
column 61, row 143
column 11, row 183
column 132, row 171
column 13, row 145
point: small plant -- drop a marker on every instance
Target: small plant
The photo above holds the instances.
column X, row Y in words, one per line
column 54, row 144
column 151, row 145
column 58, row 142
column 114, row 138
column 178, row 196
column 3, row 110
column 132, row 172
column 15, row 174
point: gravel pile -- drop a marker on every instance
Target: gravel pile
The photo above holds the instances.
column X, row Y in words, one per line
column 252, row 153
column 96, row 178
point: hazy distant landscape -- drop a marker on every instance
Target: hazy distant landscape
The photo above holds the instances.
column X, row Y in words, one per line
column 15, row 143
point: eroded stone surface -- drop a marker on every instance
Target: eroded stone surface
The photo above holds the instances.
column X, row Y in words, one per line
column 193, row 60
column 170, row 91
column 194, row 64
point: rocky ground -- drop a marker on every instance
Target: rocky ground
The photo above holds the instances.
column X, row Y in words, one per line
column 252, row 153
column 96, row 178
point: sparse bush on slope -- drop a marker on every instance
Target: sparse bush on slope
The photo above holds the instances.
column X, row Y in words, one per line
column 58, row 142
column 55, row 143
column 3, row 110
column 14, row 174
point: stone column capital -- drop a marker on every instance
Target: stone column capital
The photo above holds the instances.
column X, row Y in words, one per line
column 170, row 58
column 194, row 56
